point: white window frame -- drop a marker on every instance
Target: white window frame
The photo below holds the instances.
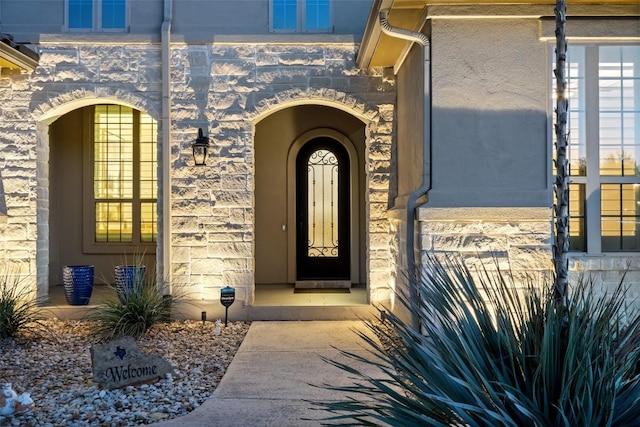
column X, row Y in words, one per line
column 301, row 20
column 591, row 126
column 97, row 19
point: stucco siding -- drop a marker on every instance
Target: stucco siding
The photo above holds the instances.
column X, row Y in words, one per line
column 489, row 144
column 192, row 21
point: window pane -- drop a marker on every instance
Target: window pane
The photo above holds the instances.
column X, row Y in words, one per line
column 80, row 14
column 125, row 175
column 620, row 217
column 113, row 152
column 615, row 79
column 148, row 161
column 148, row 220
column 113, row 222
column 285, row 14
column 317, row 15
column 577, row 152
column 577, row 231
column 113, row 13
column 322, row 169
column 619, row 83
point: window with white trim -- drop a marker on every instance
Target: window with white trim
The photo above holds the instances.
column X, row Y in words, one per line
column 604, row 147
column 312, row 16
column 96, row 15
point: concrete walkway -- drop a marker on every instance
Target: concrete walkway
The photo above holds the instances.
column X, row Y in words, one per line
column 274, row 372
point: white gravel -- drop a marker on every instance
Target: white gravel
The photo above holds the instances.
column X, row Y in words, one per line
column 55, row 368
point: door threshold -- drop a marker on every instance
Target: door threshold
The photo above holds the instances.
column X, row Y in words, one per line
column 323, row 284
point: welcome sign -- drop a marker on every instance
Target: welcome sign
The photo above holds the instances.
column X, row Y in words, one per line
column 120, row 363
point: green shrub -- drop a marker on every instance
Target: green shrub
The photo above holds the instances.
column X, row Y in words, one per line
column 133, row 312
column 489, row 354
column 18, row 305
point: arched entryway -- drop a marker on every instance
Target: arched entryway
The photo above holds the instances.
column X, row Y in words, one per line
column 284, row 141
column 102, row 189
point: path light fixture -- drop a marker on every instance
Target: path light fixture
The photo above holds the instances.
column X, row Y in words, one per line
column 200, row 149
column 227, row 297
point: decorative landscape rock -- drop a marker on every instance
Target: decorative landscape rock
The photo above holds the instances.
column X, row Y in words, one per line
column 11, row 402
column 25, row 403
column 58, row 374
column 8, row 399
column 120, row 363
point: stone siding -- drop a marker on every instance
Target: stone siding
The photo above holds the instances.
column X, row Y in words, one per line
column 18, row 180
column 607, row 272
column 517, row 240
column 223, row 89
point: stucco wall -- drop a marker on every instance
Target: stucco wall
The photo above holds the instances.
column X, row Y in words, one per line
column 410, row 132
column 491, row 148
column 193, row 21
column 490, row 130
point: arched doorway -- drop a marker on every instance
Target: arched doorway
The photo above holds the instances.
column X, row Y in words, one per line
column 323, row 231
column 280, row 139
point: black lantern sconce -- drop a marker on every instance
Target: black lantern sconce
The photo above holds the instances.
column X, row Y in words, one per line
column 200, row 149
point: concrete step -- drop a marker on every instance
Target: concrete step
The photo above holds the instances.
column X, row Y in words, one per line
column 284, row 306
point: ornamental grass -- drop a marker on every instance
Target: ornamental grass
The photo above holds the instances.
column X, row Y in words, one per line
column 19, row 307
column 135, row 310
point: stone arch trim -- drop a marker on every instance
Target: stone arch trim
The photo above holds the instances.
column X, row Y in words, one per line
column 54, row 107
column 378, row 118
column 365, row 110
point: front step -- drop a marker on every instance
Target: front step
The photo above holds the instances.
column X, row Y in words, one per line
column 193, row 311
column 323, row 284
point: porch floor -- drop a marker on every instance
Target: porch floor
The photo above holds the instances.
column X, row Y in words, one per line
column 272, row 302
column 283, row 295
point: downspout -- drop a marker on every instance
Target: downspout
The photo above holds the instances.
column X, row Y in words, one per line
column 424, row 188
column 165, row 242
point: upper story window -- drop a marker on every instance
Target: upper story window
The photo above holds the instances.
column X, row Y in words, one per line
column 97, row 15
column 312, row 16
column 604, row 147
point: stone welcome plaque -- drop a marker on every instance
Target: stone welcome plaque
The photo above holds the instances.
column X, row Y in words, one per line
column 120, row 363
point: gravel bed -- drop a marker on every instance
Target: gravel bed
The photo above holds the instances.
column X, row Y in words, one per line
column 54, row 366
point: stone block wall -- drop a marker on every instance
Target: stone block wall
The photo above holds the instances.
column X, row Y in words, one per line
column 224, row 89
column 212, row 207
column 70, row 77
column 18, row 181
column 520, row 240
column 607, row 272
column 515, row 240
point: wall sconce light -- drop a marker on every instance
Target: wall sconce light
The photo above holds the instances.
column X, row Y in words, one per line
column 200, row 149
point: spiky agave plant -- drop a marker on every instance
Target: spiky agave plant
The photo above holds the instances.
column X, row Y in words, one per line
column 490, row 354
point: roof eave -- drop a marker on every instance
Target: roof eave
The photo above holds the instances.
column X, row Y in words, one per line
column 18, row 57
column 380, row 50
column 372, row 33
